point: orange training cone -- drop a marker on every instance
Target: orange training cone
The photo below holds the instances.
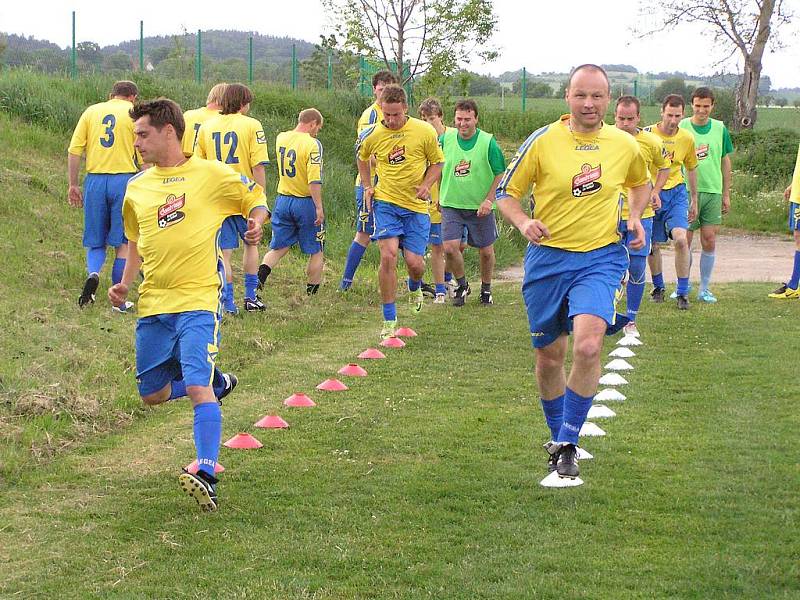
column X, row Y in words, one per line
column 393, row 342
column 372, row 353
column 332, row 385
column 299, row 399
column 272, row 422
column 353, row 370
column 192, row 468
column 243, row 441
column 405, row 332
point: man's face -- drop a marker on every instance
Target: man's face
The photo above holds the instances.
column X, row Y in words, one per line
column 588, row 97
column 378, row 89
column 466, row 122
column 317, row 127
column 394, row 114
column 151, row 143
column 670, row 117
column 433, row 119
column 701, row 109
column 626, row 117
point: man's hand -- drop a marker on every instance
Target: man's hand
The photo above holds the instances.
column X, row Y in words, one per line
column 320, row 217
column 635, row 227
column 655, row 200
column 254, row 232
column 692, row 211
column 787, row 193
column 423, row 192
column 726, row 204
column 118, row 293
column 75, row 196
column 485, row 208
column 534, row 230
column 369, row 192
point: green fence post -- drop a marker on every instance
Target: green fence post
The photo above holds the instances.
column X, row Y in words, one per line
column 524, row 88
column 636, row 87
column 250, row 61
column 294, row 66
column 74, row 67
column 330, row 69
column 141, row 45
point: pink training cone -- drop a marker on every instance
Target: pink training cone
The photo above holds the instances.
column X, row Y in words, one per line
column 299, row 399
column 192, row 468
column 332, row 385
column 353, row 370
column 272, row 422
column 243, row 441
column 372, row 353
column 405, row 332
column 393, row 342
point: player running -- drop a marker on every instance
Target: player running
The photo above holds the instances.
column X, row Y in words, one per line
column 791, row 289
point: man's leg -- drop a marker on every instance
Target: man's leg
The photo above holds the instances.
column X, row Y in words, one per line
column 314, row 273
column 387, row 283
column 437, row 268
column 271, row 259
column 228, row 301
column 252, row 302
column 681, row 266
column 365, row 226
column 487, row 260
column 789, row 290
column 657, row 274
column 552, row 381
column 708, row 243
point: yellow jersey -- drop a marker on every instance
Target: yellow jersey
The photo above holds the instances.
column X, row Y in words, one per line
column 105, row 133
column 403, row 155
column 655, row 159
column 679, row 149
column 371, row 115
column 174, row 215
column 194, row 118
column 578, row 178
column 236, row 140
column 436, row 213
column 795, row 195
column 299, row 157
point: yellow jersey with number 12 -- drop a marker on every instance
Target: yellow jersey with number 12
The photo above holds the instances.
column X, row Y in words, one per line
column 105, row 133
column 194, row 118
column 655, row 159
column 578, row 179
column 299, row 157
column 237, row 140
column 679, row 149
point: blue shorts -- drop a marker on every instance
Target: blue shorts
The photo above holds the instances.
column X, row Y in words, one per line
column 233, row 229
column 411, row 227
column 674, row 212
column 176, row 346
column 293, row 223
column 435, row 236
column 559, row 284
column 794, row 216
column 365, row 220
column 648, row 237
column 102, row 209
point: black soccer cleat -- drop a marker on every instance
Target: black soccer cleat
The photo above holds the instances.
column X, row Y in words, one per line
column 428, row 290
column 486, row 298
column 254, row 305
column 263, row 273
column 230, row 382
column 552, row 455
column 567, row 462
column 460, row 295
column 89, row 288
column 657, row 295
column 202, row 487
column 683, row 302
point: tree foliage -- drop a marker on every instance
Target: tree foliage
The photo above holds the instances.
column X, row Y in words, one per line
column 673, row 85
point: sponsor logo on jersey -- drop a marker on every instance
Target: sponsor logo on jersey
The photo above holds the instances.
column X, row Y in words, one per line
column 315, row 158
column 397, row 155
column 702, row 151
column 586, row 182
column 587, row 146
column 462, row 168
column 261, row 137
column 169, row 213
column 173, row 180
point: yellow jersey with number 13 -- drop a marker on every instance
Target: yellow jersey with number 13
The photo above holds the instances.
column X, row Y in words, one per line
column 299, row 157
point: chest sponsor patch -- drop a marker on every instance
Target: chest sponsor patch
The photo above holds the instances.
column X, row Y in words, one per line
column 702, row 151
column 462, row 168
column 315, row 158
column 586, row 182
column 170, row 212
column 261, row 137
column 397, row 155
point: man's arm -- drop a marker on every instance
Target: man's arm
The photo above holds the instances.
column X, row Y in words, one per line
column 74, row 194
column 533, row 229
column 255, row 225
column 316, row 195
column 365, row 172
column 486, row 206
column 726, row 184
column 655, row 193
column 638, row 197
column 118, row 293
column 691, row 176
column 260, row 176
column 432, row 174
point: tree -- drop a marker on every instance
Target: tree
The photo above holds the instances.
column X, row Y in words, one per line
column 796, row 102
column 427, row 36
column 738, row 27
column 119, row 61
column 781, row 102
column 673, row 85
column 344, row 65
column 89, row 54
column 534, row 89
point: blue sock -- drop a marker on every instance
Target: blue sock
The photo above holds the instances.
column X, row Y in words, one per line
column 635, row 289
column 354, row 256
column 658, row 280
column 95, row 257
column 576, row 408
column 250, row 285
column 683, row 286
column 441, row 288
column 795, row 280
column 207, row 435
column 117, row 269
column 218, row 382
column 227, row 297
column 461, row 280
column 413, row 285
column 448, row 277
column 554, row 414
column 706, row 267
column 178, row 389
column 390, row 312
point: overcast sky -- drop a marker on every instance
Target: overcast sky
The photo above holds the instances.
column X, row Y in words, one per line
column 541, row 36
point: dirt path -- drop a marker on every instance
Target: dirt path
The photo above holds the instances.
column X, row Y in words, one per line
column 740, row 257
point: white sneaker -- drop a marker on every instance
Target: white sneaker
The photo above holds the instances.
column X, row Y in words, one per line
column 440, row 299
column 631, row 329
column 123, row 308
column 451, row 287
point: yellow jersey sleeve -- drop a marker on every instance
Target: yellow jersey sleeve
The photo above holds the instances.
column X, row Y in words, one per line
column 795, row 195
column 259, row 155
column 130, row 221
column 522, row 171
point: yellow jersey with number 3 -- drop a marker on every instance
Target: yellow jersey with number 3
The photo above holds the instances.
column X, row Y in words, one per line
column 174, row 215
column 402, row 156
column 105, row 133
column 194, row 119
column 299, row 157
column 237, row 140
column 655, row 159
column 578, row 179
column 679, row 149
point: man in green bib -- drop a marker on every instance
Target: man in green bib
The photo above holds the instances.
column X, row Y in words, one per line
column 713, row 147
column 473, row 166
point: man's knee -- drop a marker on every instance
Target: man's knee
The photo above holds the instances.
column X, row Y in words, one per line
column 451, row 248
column 588, row 348
column 158, row 397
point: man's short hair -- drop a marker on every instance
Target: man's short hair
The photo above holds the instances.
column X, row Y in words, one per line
column 431, row 106
column 703, row 92
column 627, row 101
column 393, row 94
column 310, row 115
column 673, row 100
column 588, row 67
column 215, row 93
column 125, row 89
column 162, row 111
column 235, row 97
column 468, row 104
column 385, row 77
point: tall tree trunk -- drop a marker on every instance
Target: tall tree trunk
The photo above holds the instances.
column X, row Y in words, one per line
column 747, row 92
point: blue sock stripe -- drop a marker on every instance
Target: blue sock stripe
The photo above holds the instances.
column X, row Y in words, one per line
column 389, row 311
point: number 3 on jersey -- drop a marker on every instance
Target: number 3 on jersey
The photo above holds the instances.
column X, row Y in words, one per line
column 109, row 121
column 232, row 141
column 288, row 169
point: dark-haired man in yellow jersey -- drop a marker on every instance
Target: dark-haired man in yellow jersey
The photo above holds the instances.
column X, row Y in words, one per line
column 298, row 217
column 408, row 161
column 575, row 263
column 196, row 117
column 173, row 212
